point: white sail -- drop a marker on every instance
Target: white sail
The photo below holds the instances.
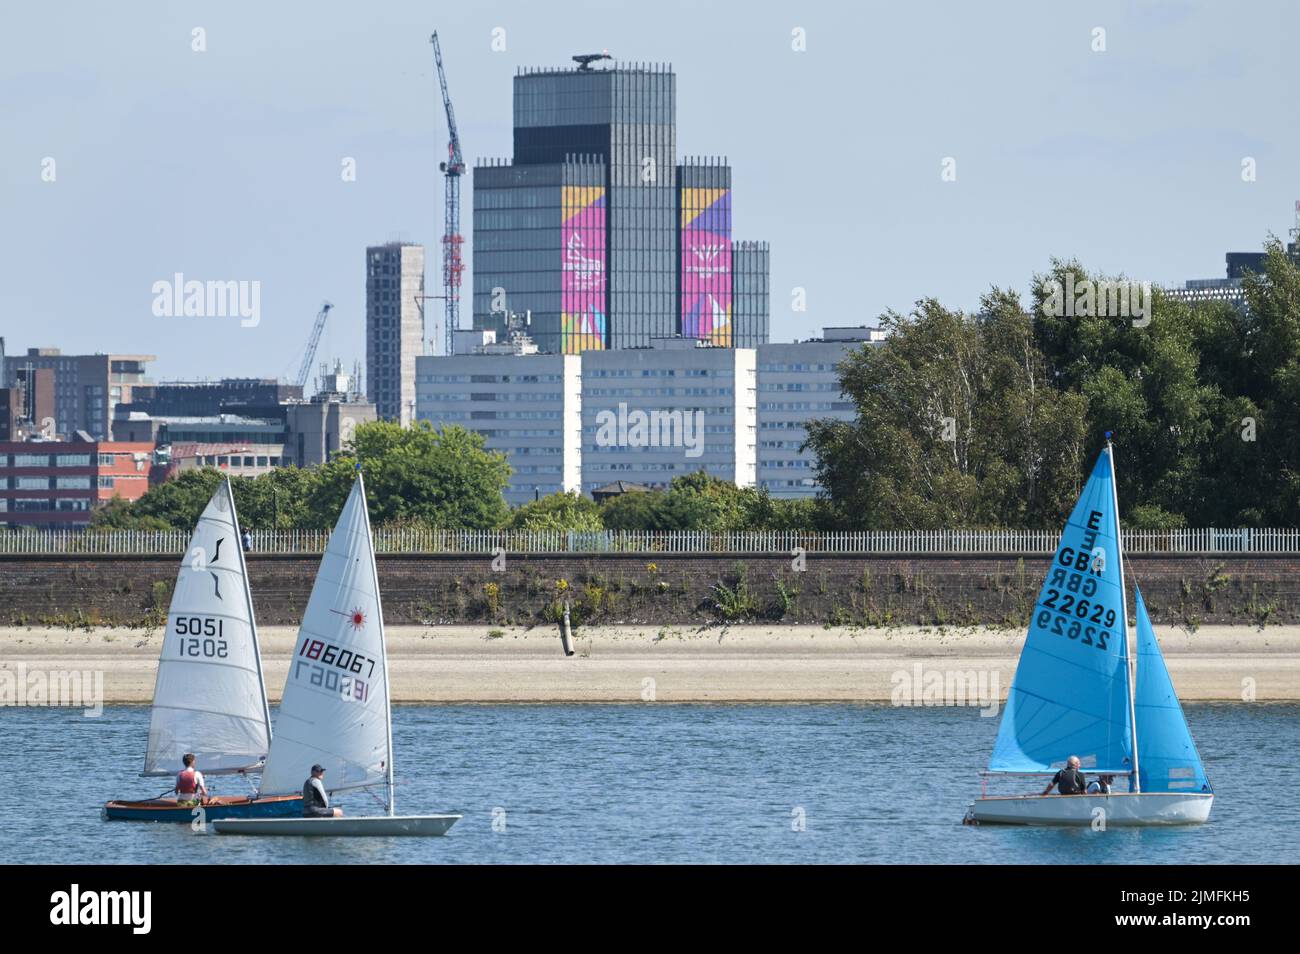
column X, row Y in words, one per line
column 335, row 706
column 210, row 697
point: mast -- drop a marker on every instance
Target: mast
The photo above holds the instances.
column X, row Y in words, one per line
column 1130, row 658
column 383, row 641
column 252, row 620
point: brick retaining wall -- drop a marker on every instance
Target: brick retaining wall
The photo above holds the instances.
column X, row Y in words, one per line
column 664, row 588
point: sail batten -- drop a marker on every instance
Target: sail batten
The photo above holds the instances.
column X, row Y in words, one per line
column 209, row 694
column 1070, row 694
column 335, row 705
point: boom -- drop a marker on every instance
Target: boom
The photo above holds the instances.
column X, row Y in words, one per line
column 312, row 342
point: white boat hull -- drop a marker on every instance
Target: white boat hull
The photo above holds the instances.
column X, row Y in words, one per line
column 377, row 826
column 1120, row 808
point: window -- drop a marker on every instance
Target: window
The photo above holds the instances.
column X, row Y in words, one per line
column 106, row 460
column 31, row 460
column 106, row 483
column 72, row 483
column 72, row 460
column 31, row 483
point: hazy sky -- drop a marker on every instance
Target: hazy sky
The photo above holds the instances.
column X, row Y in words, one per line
column 225, row 164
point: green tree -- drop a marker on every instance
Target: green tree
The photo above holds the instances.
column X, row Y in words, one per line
column 174, row 504
column 562, row 511
column 418, row 475
column 957, row 425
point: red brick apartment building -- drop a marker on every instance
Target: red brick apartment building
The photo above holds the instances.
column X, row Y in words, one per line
column 59, row 483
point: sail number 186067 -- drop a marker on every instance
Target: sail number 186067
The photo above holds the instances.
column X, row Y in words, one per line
column 340, row 672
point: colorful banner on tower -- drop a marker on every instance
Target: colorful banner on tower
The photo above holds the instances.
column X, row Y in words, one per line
column 706, row 265
column 582, row 289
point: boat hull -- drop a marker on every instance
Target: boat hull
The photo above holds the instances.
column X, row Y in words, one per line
column 398, row 825
column 1120, row 808
column 218, row 807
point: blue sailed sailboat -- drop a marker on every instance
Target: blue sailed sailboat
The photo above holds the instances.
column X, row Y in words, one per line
column 1075, row 691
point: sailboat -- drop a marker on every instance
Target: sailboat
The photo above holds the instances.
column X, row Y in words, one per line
column 209, row 695
column 1075, row 691
column 336, row 709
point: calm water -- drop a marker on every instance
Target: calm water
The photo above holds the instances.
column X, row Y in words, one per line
column 657, row 783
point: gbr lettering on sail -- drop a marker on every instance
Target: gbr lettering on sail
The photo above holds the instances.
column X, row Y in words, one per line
column 1070, row 607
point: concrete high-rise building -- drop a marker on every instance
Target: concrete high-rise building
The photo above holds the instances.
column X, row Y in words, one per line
column 86, row 388
column 527, row 405
column 394, row 327
column 798, row 382
column 599, row 232
column 678, row 406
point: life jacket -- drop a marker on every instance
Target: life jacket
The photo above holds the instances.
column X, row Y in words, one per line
column 187, row 782
column 1071, row 782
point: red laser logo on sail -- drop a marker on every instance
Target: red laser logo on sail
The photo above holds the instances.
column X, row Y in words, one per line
column 356, row 618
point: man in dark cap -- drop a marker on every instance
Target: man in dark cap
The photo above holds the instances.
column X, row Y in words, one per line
column 315, row 800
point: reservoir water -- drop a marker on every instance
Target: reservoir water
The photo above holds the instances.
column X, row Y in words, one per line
column 653, row 784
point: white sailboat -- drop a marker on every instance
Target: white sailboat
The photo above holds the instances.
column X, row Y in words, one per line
column 1079, row 690
column 336, row 709
column 209, row 695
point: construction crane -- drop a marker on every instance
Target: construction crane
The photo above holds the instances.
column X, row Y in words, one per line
column 316, row 330
column 452, row 169
column 585, row 60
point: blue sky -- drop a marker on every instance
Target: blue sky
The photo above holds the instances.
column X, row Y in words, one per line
column 226, row 164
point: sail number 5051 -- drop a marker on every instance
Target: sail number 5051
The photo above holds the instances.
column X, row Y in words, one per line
column 204, row 637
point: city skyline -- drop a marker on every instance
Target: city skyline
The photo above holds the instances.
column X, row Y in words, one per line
column 225, row 164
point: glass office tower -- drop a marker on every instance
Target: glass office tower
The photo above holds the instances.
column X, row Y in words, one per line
column 595, row 230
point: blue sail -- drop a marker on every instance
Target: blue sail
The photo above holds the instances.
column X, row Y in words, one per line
column 1167, row 757
column 1070, row 692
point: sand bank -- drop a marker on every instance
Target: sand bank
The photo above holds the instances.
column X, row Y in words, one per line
column 684, row 664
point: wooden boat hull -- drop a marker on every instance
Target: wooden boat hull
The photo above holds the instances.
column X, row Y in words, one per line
column 1119, row 808
column 220, row 806
column 399, row 825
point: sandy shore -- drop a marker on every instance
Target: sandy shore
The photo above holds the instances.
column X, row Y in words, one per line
column 686, row 664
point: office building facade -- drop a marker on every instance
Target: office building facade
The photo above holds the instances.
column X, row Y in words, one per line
column 394, row 327
column 679, row 406
column 798, row 382
column 60, row 483
column 598, row 232
column 86, row 389
column 525, row 404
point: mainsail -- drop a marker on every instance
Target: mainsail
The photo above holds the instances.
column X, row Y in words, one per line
column 335, row 707
column 1070, row 694
column 1167, row 757
column 210, row 697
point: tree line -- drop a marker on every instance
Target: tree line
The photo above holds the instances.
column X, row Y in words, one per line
column 989, row 418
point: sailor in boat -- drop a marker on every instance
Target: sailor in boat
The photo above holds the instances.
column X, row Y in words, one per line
column 1069, row 780
column 315, row 800
column 190, row 788
column 1101, row 786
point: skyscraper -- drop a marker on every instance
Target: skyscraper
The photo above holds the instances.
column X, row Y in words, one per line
column 595, row 228
column 394, row 329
